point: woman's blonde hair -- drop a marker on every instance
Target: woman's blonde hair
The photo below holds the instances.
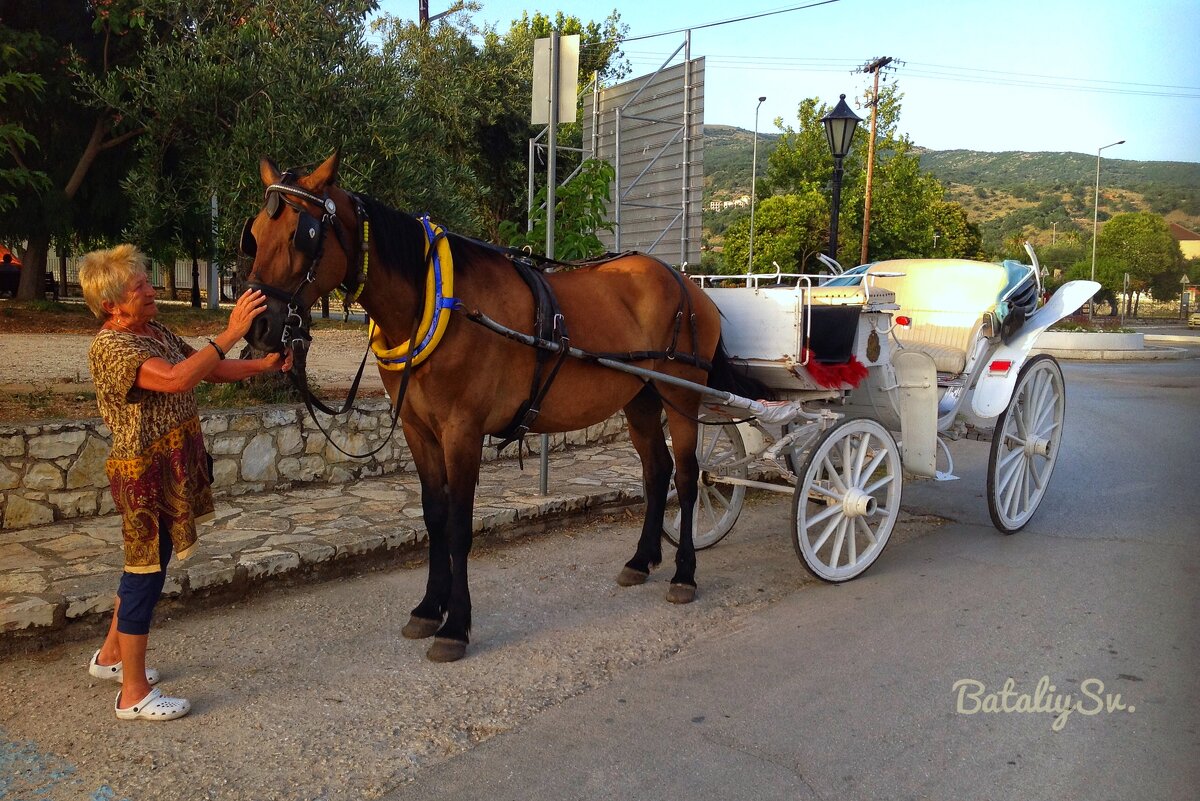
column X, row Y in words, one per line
column 106, row 275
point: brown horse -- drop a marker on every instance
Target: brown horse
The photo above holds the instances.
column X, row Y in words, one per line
column 312, row 237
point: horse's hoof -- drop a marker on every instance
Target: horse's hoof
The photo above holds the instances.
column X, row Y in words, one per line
column 418, row 628
column 628, row 577
column 446, row 650
column 681, row 594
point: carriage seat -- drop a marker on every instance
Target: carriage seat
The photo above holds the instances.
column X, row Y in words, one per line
column 946, row 300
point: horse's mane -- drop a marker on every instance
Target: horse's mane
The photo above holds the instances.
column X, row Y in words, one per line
column 399, row 238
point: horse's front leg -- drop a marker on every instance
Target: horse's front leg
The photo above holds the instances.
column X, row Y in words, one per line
column 427, row 616
column 462, row 454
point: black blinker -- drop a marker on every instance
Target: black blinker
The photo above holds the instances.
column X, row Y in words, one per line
column 308, row 235
column 248, row 245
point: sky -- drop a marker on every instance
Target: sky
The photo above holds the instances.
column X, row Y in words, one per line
column 1027, row 75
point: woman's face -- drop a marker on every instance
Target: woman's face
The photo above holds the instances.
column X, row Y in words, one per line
column 137, row 305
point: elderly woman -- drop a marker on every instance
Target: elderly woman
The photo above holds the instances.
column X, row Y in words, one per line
column 158, row 467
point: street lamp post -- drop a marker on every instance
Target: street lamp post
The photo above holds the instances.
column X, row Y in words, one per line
column 840, row 125
column 754, row 183
column 1095, row 222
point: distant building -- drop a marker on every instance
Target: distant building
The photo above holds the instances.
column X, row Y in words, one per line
column 1189, row 241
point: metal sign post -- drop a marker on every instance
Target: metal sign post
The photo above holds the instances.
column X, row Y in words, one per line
column 555, row 84
column 214, row 284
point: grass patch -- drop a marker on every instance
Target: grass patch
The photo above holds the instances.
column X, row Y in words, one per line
column 245, row 393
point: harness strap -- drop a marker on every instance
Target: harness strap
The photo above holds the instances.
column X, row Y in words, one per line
column 548, row 325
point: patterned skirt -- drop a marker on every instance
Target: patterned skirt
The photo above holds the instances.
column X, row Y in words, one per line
column 166, row 485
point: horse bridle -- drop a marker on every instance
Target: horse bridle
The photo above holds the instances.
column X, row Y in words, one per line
column 309, row 241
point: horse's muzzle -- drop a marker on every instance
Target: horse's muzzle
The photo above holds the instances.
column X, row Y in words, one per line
column 275, row 330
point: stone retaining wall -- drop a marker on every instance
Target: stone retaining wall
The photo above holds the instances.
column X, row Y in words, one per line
column 55, row 470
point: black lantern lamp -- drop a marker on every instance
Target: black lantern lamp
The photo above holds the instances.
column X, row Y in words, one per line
column 840, row 125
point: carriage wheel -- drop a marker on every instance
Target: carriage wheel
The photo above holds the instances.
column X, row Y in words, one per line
column 847, row 499
column 717, row 505
column 1025, row 444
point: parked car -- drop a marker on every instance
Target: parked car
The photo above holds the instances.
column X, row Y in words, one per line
column 1194, row 320
column 10, row 277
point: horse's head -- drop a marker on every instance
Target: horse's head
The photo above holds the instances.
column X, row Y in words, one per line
column 296, row 259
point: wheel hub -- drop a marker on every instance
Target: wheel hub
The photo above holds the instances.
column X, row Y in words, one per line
column 858, row 503
column 1037, row 446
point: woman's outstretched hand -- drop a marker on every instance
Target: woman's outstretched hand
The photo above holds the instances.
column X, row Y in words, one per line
column 277, row 362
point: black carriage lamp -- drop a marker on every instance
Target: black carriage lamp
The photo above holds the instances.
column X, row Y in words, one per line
column 840, row 125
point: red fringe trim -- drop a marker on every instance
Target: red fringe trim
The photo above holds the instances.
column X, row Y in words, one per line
column 833, row 376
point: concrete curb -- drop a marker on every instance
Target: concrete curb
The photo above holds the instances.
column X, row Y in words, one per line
column 1085, row 354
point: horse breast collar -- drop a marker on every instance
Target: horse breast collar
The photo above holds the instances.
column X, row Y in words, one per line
column 439, row 299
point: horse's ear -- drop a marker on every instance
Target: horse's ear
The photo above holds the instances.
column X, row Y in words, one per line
column 326, row 173
column 268, row 171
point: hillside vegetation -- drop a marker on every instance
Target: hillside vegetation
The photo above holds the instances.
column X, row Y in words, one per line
column 1040, row 196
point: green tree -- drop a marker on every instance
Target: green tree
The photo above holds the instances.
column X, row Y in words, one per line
column 908, row 206
column 1142, row 245
column 81, row 148
column 789, row 230
column 580, row 210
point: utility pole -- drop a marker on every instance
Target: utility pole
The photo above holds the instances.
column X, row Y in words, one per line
column 875, row 67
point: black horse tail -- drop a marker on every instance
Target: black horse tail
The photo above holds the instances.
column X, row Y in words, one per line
column 733, row 375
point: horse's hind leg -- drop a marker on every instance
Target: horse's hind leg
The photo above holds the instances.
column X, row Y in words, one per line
column 681, row 413
column 644, row 414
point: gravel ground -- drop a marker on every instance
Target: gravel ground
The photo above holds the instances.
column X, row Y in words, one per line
column 311, row 693
column 61, row 359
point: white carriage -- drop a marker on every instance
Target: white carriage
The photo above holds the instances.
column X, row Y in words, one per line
column 875, row 370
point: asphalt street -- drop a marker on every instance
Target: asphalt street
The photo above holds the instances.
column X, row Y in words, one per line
column 849, row 692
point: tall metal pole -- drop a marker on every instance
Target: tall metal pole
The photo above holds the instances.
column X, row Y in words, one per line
column 753, row 184
column 1095, row 222
column 551, row 187
column 837, row 206
column 685, row 212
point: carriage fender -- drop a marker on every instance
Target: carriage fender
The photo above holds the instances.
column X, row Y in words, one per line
column 994, row 390
column 916, row 380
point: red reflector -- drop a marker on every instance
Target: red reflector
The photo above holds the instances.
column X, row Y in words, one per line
column 1000, row 367
column 904, row 321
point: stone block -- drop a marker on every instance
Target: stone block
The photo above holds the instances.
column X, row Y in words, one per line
column 74, row 504
column 225, row 472
column 263, row 563
column 88, row 468
column 12, row 445
column 273, row 418
column 20, row 512
column 214, row 424
column 258, row 459
column 53, row 445
column 288, row 440
column 227, row 445
column 244, row 422
column 44, row 476
column 31, row 611
column 209, row 574
column 9, row 478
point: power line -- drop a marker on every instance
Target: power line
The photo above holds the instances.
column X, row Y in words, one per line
column 724, row 22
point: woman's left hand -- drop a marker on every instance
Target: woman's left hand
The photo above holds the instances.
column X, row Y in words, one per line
column 277, row 362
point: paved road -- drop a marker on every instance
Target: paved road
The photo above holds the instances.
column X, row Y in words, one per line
column 769, row 687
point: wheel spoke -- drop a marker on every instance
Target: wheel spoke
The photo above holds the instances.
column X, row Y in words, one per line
column 852, row 541
column 825, row 491
column 834, row 477
column 836, row 551
column 824, row 515
column 882, row 482
column 866, row 530
column 825, row 534
column 870, row 469
column 859, row 458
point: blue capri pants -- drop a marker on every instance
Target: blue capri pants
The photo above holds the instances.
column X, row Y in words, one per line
column 139, row 592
